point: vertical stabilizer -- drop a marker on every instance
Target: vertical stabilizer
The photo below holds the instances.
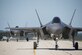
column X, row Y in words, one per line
column 9, row 28
column 38, row 18
column 72, row 17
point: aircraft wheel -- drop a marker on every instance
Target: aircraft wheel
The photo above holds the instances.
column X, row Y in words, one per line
column 7, row 40
column 35, row 45
column 56, row 47
column 17, row 40
column 76, row 46
column 27, row 39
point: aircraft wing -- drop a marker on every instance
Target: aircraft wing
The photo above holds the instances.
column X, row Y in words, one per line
column 77, row 29
column 28, row 29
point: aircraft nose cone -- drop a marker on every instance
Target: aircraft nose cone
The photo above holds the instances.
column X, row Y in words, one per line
column 56, row 29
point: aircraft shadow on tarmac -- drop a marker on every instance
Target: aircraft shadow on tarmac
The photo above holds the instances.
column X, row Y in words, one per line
column 64, row 49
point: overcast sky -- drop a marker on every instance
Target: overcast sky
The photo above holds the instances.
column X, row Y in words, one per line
column 22, row 12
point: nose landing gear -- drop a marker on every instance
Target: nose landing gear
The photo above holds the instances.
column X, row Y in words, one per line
column 56, row 46
column 35, row 45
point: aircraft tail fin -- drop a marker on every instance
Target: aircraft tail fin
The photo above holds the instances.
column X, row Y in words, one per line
column 38, row 18
column 72, row 17
column 9, row 28
column 8, row 25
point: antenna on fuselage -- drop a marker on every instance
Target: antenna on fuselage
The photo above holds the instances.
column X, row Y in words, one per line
column 38, row 18
column 72, row 17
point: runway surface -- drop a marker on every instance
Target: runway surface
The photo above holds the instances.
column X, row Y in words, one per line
column 45, row 47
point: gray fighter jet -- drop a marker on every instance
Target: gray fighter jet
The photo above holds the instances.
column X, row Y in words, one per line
column 54, row 29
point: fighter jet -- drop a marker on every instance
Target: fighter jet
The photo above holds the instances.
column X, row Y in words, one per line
column 54, row 29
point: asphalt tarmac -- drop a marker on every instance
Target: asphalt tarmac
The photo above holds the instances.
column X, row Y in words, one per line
column 45, row 47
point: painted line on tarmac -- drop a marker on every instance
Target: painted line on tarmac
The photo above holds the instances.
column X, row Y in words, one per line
column 34, row 51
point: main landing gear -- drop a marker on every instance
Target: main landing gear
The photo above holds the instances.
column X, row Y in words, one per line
column 35, row 44
column 17, row 39
column 76, row 46
column 27, row 39
column 7, row 40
